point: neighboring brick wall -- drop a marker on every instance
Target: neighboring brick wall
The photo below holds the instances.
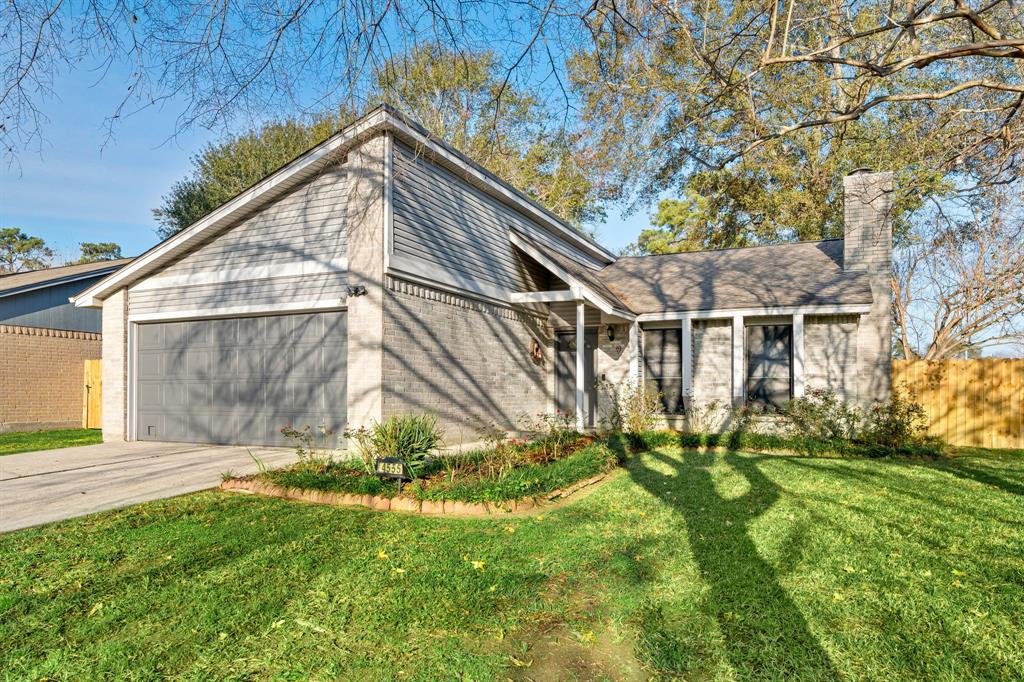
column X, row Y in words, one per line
column 868, row 248
column 42, row 377
column 115, row 376
column 830, row 354
column 466, row 361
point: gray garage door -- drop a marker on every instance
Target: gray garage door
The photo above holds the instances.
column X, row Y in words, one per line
column 240, row 380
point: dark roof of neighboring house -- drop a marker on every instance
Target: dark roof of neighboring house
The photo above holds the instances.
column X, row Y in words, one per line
column 19, row 282
column 800, row 274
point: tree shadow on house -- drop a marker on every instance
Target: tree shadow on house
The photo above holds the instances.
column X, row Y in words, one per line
column 764, row 634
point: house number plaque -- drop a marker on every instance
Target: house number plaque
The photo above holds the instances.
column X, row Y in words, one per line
column 392, row 467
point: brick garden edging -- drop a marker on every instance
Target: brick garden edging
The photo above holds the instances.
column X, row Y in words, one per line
column 407, row 504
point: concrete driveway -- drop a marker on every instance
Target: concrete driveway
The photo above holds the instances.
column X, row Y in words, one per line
column 50, row 485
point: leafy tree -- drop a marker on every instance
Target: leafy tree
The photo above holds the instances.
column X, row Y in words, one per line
column 225, row 169
column 95, row 252
column 450, row 94
column 20, row 252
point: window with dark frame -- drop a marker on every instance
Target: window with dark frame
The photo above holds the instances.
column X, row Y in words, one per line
column 769, row 351
column 663, row 365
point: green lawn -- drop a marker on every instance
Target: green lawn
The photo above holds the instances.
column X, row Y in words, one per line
column 687, row 565
column 28, row 441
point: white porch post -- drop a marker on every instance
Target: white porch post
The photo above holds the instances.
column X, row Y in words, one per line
column 686, row 348
column 798, row 355
column 634, row 351
column 580, row 364
column 737, row 360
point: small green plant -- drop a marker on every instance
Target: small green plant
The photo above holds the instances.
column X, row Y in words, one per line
column 410, row 437
column 553, row 431
column 823, row 415
column 227, row 475
column 261, row 466
column 362, row 439
column 312, row 446
column 500, row 454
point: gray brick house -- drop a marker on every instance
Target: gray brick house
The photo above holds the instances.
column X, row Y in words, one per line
column 384, row 273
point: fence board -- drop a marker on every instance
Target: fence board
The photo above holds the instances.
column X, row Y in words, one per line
column 968, row 402
column 92, row 402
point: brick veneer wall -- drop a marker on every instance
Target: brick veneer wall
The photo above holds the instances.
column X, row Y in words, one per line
column 830, row 354
column 867, row 248
column 42, row 379
column 115, row 364
column 464, row 360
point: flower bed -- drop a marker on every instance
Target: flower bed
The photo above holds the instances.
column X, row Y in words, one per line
column 513, row 476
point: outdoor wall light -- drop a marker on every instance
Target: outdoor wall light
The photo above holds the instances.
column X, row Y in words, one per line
column 356, row 290
column 611, row 332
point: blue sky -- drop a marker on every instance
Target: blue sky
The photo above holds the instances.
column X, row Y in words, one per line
column 82, row 186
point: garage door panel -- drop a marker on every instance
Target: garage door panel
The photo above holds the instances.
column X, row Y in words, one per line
column 250, row 331
column 277, row 393
column 224, row 333
column 307, row 362
column 309, row 394
column 249, row 362
column 251, row 395
column 278, row 330
column 279, row 362
column 151, row 335
column 334, row 326
column 175, row 334
column 197, row 394
column 172, row 396
column 222, row 427
column 224, row 394
column 334, row 394
column 199, row 334
column 175, row 364
column 151, row 364
column 199, row 364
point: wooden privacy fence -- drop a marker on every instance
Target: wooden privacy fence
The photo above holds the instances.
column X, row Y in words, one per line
column 92, row 396
column 968, row 402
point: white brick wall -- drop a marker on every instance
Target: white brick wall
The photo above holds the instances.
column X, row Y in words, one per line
column 114, row 365
column 365, row 219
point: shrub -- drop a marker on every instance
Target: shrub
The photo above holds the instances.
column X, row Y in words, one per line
column 633, row 407
column 821, row 414
column 705, row 417
column 899, row 423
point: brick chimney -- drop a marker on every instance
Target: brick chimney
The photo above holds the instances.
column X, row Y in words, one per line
column 867, row 247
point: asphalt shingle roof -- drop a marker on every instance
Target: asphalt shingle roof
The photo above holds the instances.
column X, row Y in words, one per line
column 805, row 273
column 12, row 282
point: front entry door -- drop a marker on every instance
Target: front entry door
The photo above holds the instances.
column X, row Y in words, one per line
column 565, row 375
